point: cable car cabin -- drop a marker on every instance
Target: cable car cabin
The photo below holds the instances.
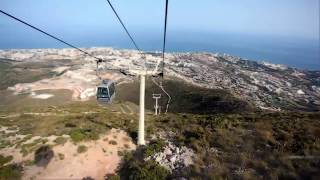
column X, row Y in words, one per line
column 106, row 91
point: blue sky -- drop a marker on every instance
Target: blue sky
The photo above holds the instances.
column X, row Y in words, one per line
column 292, row 18
column 281, row 31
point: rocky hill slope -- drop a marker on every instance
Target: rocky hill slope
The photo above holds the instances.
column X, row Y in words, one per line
column 266, row 85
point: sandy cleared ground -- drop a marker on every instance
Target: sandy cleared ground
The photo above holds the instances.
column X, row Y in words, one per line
column 100, row 158
column 82, row 83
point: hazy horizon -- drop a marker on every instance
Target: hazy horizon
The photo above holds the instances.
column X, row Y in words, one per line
column 298, row 53
column 284, row 32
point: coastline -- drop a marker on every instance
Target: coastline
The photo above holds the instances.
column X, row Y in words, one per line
column 259, row 61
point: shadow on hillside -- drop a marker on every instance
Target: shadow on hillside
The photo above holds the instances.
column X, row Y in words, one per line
column 185, row 98
column 43, row 156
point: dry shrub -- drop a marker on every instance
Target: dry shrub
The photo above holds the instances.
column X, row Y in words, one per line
column 113, row 142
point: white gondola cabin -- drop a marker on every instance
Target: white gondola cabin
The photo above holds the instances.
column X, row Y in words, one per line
column 106, row 91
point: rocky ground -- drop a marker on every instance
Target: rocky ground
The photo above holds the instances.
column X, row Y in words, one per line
column 174, row 158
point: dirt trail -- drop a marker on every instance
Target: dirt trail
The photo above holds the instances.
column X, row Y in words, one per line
column 119, row 110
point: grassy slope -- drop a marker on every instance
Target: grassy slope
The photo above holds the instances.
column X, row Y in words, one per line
column 11, row 74
column 65, row 118
column 259, row 143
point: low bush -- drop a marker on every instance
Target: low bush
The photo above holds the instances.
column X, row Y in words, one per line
column 78, row 135
column 113, row 142
column 4, row 160
column 135, row 169
column 82, row 149
column 10, row 172
column 154, row 147
column 60, row 140
column 61, row 156
column 113, row 177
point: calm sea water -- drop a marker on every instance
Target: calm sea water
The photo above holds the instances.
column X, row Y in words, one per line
column 300, row 53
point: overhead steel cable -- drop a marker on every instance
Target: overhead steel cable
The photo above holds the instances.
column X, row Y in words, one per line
column 54, row 37
column 124, row 27
column 164, row 36
column 163, row 57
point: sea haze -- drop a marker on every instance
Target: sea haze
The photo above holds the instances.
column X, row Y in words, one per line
column 295, row 52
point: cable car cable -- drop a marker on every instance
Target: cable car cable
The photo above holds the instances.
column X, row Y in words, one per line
column 163, row 57
column 124, row 27
column 169, row 97
column 136, row 46
column 54, row 37
column 164, row 36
